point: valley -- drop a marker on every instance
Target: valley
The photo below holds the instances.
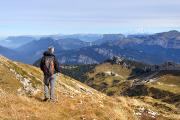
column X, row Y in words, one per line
column 121, row 77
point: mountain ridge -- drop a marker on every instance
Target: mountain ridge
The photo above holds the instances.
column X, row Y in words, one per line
column 154, row 49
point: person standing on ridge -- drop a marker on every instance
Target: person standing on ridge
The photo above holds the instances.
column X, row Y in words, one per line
column 50, row 66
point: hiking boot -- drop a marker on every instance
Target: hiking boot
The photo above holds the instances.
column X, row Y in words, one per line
column 53, row 100
column 45, row 99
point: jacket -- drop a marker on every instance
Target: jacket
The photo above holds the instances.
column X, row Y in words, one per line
column 56, row 64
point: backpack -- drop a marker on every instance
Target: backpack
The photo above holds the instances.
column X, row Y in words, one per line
column 49, row 66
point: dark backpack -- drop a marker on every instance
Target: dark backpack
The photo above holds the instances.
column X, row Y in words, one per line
column 49, row 65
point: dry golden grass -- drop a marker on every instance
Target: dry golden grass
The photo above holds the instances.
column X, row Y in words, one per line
column 106, row 83
column 169, row 83
column 67, row 108
column 73, row 104
column 124, row 72
column 8, row 80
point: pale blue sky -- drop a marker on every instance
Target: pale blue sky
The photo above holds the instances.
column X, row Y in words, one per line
column 19, row 17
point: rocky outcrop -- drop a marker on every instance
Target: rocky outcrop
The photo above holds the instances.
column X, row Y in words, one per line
column 27, row 88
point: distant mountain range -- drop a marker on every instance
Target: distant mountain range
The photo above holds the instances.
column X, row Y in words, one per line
column 83, row 37
column 108, row 38
column 169, row 39
column 76, row 49
column 146, row 53
column 7, row 52
column 16, row 41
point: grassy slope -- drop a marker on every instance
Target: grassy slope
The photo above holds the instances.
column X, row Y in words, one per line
column 77, row 71
column 168, row 81
column 10, row 70
column 76, row 101
column 107, row 83
column 165, row 80
column 8, row 80
column 166, row 88
column 77, row 107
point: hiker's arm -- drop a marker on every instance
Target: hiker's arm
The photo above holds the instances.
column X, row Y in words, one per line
column 42, row 63
column 56, row 65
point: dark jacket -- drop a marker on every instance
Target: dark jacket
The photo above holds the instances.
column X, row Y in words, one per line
column 56, row 64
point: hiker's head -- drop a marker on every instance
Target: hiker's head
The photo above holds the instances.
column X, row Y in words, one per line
column 51, row 49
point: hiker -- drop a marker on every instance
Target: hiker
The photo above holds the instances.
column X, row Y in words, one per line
column 50, row 66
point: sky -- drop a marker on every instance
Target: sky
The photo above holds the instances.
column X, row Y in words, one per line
column 43, row 17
